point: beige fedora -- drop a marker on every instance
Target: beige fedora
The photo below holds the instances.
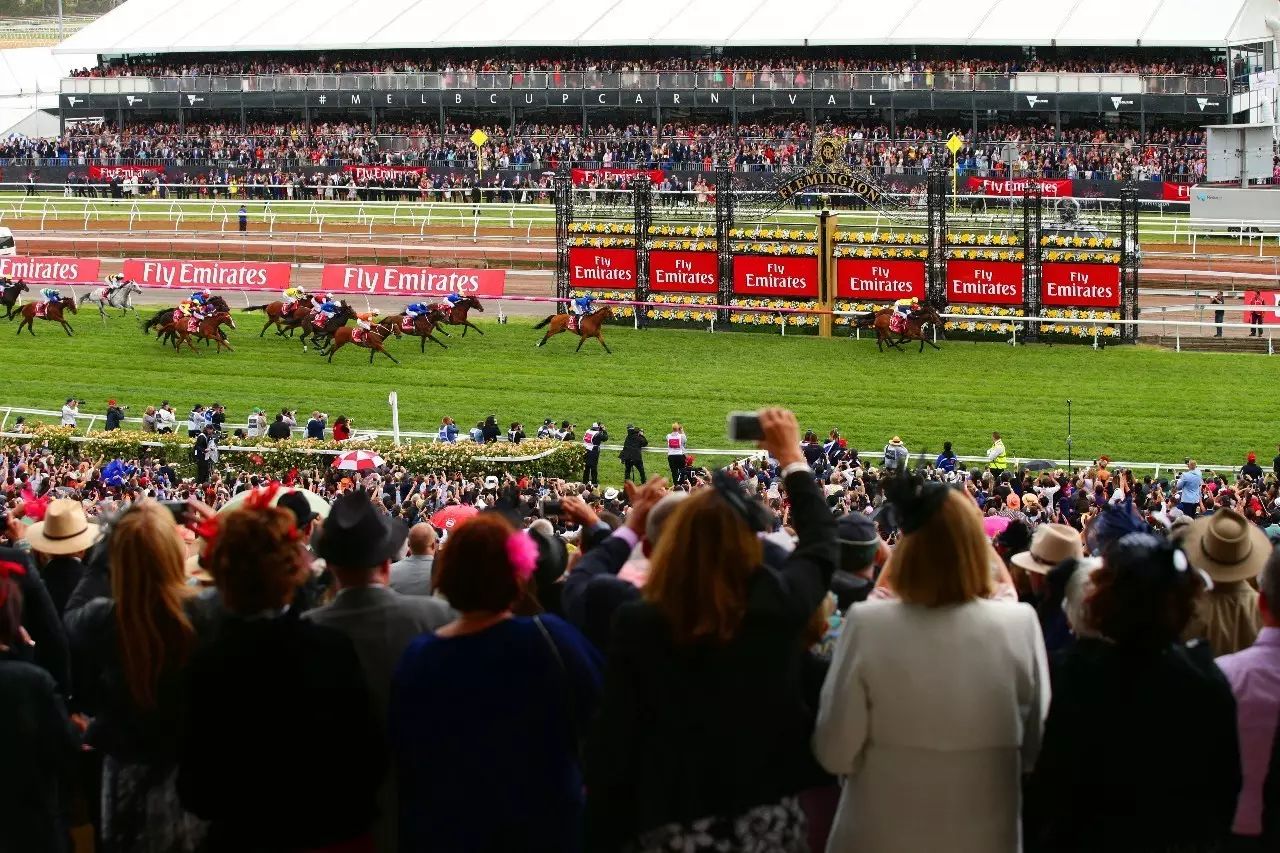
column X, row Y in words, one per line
column 1050, row 545
column 65, row 529
column 1226, row 546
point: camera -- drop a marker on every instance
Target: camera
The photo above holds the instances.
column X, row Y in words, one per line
column 744, row 426
column 551, row 507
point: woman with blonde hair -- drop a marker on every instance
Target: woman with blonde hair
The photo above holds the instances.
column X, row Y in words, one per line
column 703, row 733
column 676, row 459
column 128, row 653
column 935, row 702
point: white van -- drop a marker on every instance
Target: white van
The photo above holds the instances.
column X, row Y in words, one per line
column 7, row 246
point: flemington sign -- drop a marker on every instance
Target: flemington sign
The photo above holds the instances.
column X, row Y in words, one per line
column 829, row 171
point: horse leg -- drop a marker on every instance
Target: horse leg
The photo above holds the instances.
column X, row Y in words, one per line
column 581, row 341
column 264, row 328
column 66, row 327
column 387, row 354
column 600, row 338
column 372, row 350
column 543, row 342
column 922, row 343
column 422, row 344
column 472, row 325
column 436, row 340
column 337, row 346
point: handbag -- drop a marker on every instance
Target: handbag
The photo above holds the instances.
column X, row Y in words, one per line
column 570, row 712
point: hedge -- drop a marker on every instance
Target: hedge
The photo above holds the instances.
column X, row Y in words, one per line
column 275, row 458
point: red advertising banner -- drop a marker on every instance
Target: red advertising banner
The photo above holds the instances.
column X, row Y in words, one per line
column 372, row 172
column 411, row 281
column 214, row 275
column 602, row 269
column 1080, row 285
column 857, row 278
column 684, row 272
column 1175, row 192
column 1057, row 188
column 996, row 282
column 50, row 270
column 106, row 173
column 1270, row 306
column 584, row 176
column 793, row 278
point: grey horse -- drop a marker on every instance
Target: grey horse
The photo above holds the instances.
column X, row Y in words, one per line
column 121, row 297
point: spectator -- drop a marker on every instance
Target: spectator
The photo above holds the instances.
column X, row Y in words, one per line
column 448, row 430
column 149, row 419
column 70, row 410
column 115, row 416
column 129, row 651
column 37, row 738
column 1254, row 676
column 243, row 216
column 357, row 545
column 61, row 540
column 997, row 457
column 489, row 430
column 39, row 616
column 1232, row 552
column 257, row 424
column 166, row 420
column 1218, row 313
column 676, row 453
column 216, row 415
column 632, row 454
column 861, row 548
column 412, row 575
column 935, row 702
column 1189, row 488
column 476, row 433
column 704, row 678
column 279, row 430
column 1251, row 469
column 1051, row 545
column 515, row 433
column 593, row 439
column 498, row 699
column 946, row 460
column 1115, row 764
column 205, row 451
column 895, row 456
column 278, row 708
column 315, row 426
column 196, row 421
column 341, row 429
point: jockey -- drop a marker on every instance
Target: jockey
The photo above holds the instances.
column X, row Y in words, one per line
column 328, row 307
column 905, row 306
column 453, row 299
column 115, row 280
column 50, row 294
column 364, row 320
column 416, row 309
column 292, row 296
column 582, row 305
column 200, row 297
column 186, row 308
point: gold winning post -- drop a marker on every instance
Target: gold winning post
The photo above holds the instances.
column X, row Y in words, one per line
column 954, row 144
column 479, row 138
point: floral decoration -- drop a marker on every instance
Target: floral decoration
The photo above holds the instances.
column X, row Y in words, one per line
column 765, row 318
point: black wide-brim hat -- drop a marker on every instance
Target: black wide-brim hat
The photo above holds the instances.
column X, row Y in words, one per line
column 357, row 536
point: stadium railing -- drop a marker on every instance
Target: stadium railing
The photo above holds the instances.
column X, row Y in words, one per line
column 779, row 79
column 731, row 453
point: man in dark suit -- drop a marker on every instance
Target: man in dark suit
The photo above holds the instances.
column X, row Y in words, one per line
column 358, row 544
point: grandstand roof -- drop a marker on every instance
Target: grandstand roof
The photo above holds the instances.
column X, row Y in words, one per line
column 176, row 26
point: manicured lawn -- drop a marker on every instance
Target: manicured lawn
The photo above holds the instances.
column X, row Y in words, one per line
column 1132, row 403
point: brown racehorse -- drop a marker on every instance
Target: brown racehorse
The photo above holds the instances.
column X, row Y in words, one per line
column 9, row 297
column 207, row 329
column 54, row 312
column 588, row 327
column 457, row 315
column 925, row 315
column 370, row 339
column 421, row 327
column 285, row 322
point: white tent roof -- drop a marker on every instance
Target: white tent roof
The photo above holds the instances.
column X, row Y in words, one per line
column 165, row 26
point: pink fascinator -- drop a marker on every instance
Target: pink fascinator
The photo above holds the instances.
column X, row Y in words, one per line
column 522, row 553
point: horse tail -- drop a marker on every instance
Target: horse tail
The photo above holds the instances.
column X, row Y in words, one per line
column 545, row 322
column 258, row 307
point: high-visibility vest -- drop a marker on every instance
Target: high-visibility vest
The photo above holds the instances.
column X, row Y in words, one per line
column 588, row 438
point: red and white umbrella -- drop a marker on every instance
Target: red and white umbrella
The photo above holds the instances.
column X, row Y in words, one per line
column 453, row 515
column 358, row 460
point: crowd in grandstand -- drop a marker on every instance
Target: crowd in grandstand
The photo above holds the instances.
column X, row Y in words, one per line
column 753, row 63
column 819, row 647
column 1161, row 153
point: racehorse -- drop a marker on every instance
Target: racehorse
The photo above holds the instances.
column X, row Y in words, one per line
column 9, row 297
column 53, row 311
column 321, row 335
column 121, row 297
column 285, row 321
column 925, row 315
column 371, row 339
column 165, row 316
column 209, row 329
column 421, row 326
column 586, row 327
column 456, row 315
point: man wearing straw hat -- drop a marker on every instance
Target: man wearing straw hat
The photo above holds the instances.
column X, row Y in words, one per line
column 1231, row 551
column 63, row 537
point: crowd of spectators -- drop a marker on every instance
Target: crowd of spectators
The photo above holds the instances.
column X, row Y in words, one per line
column 754, row 62
column 820, row 645
column 301, row 159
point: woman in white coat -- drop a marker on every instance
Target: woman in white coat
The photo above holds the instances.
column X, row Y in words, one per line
column 935, row 703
